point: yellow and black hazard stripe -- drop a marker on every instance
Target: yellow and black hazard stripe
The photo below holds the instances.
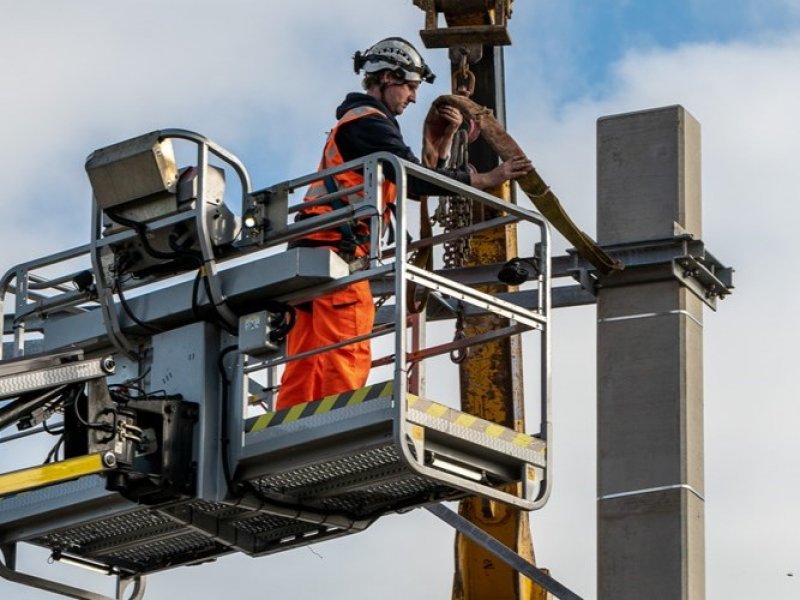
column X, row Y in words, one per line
column 318, row 407
column 441, row 412
column 432, row 410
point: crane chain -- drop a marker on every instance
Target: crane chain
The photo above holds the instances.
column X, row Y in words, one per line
column 455, row 212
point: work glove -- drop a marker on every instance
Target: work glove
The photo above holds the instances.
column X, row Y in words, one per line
column 440, row 126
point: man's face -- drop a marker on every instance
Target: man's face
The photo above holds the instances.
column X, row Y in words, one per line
column 399, row 95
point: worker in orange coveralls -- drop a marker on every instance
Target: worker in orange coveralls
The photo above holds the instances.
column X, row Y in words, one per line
column 366, row 123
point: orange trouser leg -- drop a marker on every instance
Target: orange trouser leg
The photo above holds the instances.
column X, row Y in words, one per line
column 299, row 376
column 336, row 317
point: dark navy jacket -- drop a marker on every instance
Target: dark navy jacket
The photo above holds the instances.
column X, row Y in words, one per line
column 377, row 134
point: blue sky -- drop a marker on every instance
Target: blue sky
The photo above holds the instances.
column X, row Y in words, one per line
column 587, row 38
column 263, row 78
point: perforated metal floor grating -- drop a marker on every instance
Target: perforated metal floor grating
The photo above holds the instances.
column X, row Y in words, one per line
column 337, row 470
column 140, row 540
column 296, row 493
column 359, row 484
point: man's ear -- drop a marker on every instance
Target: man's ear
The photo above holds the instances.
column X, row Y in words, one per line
column 391, row 77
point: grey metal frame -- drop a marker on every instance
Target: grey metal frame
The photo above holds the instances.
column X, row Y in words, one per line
column 99, row 242
column 23, row 309
column 394, row 265
column 39, row 297
column 405, row 272
column 9, row 572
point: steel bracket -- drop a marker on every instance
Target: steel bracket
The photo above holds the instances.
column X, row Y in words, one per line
column 681, row 258
column 271, row 210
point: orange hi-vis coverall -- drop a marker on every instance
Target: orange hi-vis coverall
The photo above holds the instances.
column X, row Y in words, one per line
column 340, row 315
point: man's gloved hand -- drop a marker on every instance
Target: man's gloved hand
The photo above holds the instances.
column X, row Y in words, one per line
column 513, row 168
column 452, row 118
column 441, row 124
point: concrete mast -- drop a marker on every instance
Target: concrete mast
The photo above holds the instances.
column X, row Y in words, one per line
column 650, row 509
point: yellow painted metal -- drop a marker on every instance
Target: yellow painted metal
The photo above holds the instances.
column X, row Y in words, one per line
column 466, row 12
column 491, row 376
column 491, row 388
column 479, row 574
column 467, row 22
column 41, row 476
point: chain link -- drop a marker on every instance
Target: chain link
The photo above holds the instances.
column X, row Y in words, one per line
column 459, row 355
column 455, row 212
column 463, row 77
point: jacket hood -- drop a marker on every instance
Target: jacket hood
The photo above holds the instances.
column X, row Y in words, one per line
column 355, row 99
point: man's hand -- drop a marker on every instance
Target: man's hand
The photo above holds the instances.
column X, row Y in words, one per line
column 452, row 118
column 441, row 125
column 513, row 168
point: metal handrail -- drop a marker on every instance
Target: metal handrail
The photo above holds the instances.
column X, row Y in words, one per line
column 105, row 294
column 392, row 263
column 404, row 272
column 44, row 304
column 22, row 275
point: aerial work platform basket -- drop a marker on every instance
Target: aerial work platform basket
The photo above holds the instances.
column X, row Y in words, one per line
column 340, row 454
column 196, row 463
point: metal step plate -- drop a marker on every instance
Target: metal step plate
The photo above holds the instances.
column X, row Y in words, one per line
column 340, row 453
column 81, row 518
column 48, row 377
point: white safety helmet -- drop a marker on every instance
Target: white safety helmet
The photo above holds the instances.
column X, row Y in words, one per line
column 397, row 55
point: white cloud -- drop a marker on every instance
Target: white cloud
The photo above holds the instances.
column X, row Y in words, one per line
column 249, row 75
column 745, row 97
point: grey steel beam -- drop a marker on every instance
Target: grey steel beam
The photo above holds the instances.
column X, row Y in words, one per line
column 650, row 509
column 245, row 287
column 49, row 585
column 563, row 297
column 8, row 571
column 52, row 376
column 680, row 257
